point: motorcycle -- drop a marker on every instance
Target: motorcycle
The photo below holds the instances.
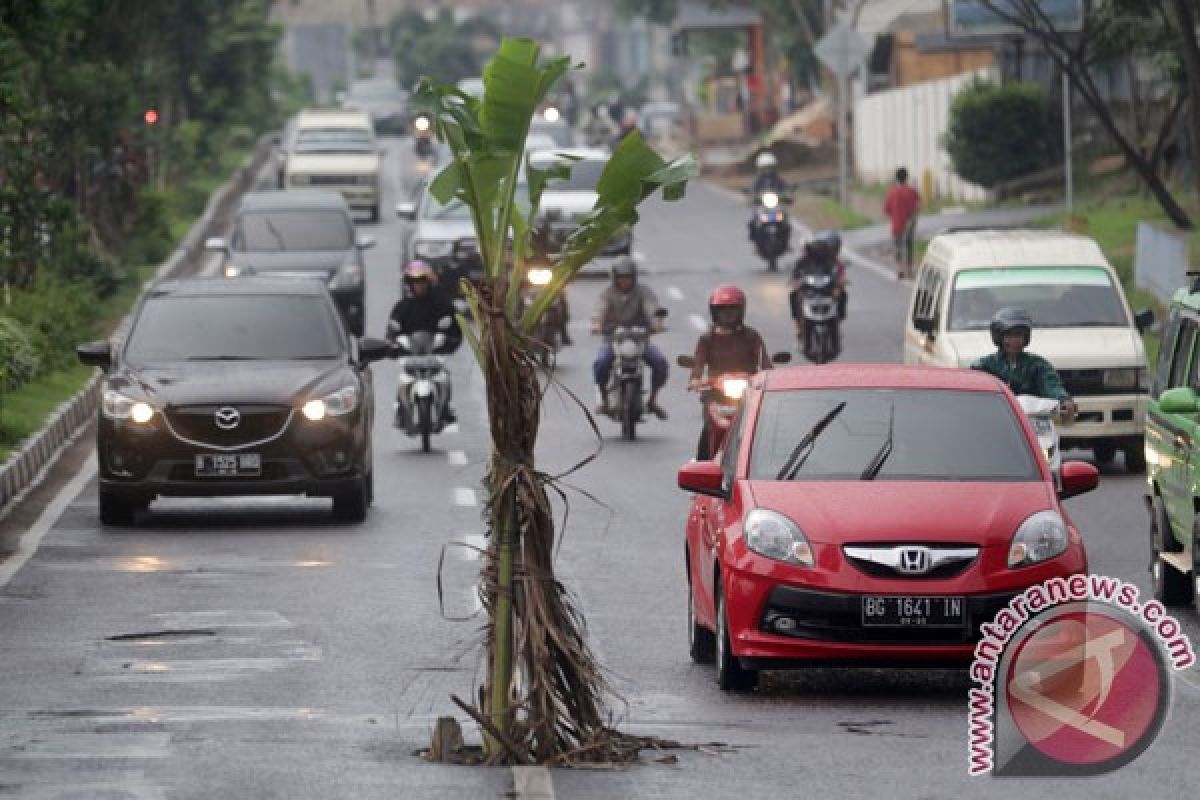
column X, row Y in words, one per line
column 423, row 136
column 1043, row 413
column 720, row 397
column 423, row 387
column 626, row 384
column 770, row 229
column 552, row 326
column 816, row 293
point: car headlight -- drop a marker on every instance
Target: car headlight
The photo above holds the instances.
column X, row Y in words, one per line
column 540, row 276
column 1041, row 536
column 734, row 388
column 119, row 406
column 432, row 249
column 551, row 114
column 773, row 535
column 1127, row 378
column 231, row 271
column 335, row 404
column 350, row 274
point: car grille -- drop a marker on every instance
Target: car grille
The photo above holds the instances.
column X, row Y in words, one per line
column 333, row 180
column 256, row 424
column 884, row 560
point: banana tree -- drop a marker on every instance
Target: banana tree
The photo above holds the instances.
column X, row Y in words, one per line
column 544, row 695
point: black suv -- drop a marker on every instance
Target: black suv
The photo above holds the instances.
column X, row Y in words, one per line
column 247, row 387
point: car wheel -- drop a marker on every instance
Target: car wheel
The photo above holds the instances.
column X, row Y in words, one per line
column 1135, row 456
column 1104, row 452
column 1171, row 587
column 351, row 505
column 115, row 509
column 731, row 676
column 702, row 643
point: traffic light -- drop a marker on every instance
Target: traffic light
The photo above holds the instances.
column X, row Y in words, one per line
column 150, row 117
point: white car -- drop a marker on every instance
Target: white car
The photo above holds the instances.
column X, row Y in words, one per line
column 564, row 202
column 335, row 150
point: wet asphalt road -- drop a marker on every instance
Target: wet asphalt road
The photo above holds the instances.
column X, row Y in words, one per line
column 257, row 649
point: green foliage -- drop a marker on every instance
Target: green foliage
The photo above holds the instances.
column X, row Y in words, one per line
column 444, row 49
column 1000, row 132
column 19, row 361
column 57, row 316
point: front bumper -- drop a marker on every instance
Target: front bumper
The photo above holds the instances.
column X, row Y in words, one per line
column 1115, row 416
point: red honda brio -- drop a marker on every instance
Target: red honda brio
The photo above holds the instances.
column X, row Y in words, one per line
column 871, row 515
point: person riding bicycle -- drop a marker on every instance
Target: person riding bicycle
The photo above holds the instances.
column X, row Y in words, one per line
column 1022, row 371
column 625, row 303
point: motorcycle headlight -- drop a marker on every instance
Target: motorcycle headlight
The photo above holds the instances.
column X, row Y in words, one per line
column 629, row 348
column 350, row 274
column 421, row 124
column 334, row 404
column 432, row 249
column 1041, row 536
column 763, row 218
column 1129, row 378
column 231, row 271
column 773, row 535
column 540, row 276
column 770, row 199
column 734, row 388
column 551, row 114
column 119, row 406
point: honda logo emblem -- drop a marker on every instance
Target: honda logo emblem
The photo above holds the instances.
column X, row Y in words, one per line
column 227, row 418
column 914, row 560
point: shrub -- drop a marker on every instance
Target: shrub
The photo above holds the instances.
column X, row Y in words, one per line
column 57, row 316
column 1000, row 132
column 19, row 362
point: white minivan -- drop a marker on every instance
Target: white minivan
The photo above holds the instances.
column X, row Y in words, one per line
column 1082, row 324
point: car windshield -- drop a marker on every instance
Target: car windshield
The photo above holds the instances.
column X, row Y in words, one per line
column 585, row 175
column 1056, row 297
column 559, row 132
column 456, row 209
column 229, row 327
column 333, row 140
column 890, row 434
column 293, row 231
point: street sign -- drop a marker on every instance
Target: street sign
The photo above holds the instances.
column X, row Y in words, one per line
column 841, row 50
column 975, row 18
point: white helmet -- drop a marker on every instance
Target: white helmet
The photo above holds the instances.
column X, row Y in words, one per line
column 765, row 161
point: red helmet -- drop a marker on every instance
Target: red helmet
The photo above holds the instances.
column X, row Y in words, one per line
column 419, row 270
column 727, row 296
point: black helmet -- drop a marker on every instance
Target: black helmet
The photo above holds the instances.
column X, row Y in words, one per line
column 832, row 240
column 1010, row 319
column 818, row 248
column 624, row 267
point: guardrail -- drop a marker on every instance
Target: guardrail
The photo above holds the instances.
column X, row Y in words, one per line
column 38, row 452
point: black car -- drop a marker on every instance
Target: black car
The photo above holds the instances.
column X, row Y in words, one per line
column 247, row 387
column 300, row 233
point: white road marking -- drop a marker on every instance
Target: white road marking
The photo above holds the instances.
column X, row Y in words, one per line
column 28, row 544
column 675, row 293
column 464, row 497
column 871, row 264
column 457, row 458
column 532, row 783
column 698, row 322
column 451, row 428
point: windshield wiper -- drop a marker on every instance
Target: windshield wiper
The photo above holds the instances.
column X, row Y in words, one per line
column 222, row 358
column 885, row 450
column 806, row 445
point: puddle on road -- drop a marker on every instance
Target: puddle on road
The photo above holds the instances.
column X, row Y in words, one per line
column 88, row 745
column 191, row 620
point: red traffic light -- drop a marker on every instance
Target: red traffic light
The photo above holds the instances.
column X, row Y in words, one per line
column 151, row 116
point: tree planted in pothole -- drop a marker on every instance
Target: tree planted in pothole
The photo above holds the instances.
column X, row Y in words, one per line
column 544, row 697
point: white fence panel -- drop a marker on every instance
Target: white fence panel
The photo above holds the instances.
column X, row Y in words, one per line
column 903, row 128
column 1161, row 262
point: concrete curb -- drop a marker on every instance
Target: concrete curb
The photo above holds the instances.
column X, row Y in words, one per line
column 38, row 452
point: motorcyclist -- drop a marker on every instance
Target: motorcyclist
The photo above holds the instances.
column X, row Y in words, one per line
column 422, row 308
column 541, row 257
column 820, row 255
column 1022, row 371
column 599, row 130
column 766, row 175
column 730, row 346
column 629, row 124
column 627, row 302
column 833, row 243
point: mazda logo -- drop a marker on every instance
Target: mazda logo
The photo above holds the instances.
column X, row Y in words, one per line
column 227, row 418
column 914, row 560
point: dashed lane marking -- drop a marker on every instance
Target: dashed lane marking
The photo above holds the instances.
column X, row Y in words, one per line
column 675, row 293
column 464, row 497
column 457, row 458
column 698, row 322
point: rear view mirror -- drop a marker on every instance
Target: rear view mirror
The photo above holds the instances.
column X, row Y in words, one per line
column 1180, row 400
column 370, row 349
column 702, row 477
column 95, row 354
column 661, row 313
column 686, row 362
column 1143, row 319
column 1078, row 477
column 406, row 211
column 781, row 358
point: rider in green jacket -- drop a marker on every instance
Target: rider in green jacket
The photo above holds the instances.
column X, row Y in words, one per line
column 1022, row 372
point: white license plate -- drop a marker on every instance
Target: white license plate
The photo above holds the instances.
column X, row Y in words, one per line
column 232, row 465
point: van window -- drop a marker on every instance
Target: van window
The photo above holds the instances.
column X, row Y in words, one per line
column 1181, row 360
column 1166, row 350
column 928, row 294
column 1056, row 297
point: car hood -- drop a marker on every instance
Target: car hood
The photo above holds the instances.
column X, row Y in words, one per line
column 204, row 382
column 444, row 230
column 1065, row 348
column 571, row 204
column 324, row 262
column 332, row 163
column 846, row 512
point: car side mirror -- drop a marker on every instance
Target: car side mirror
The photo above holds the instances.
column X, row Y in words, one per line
column 1078, row 477
column 661, row 313
column 686, row 362
column 1180, row 400
column 781, row 357
column 365, row 242
column 371, row 349
column 926, row 325
column 1143, row 319
column 703, row 477
column 406, row 211
column 95, row 354
column 216, row 244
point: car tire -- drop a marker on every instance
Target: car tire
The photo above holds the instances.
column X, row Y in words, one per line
column 1135, row 457
column 1171, row 587
column 731, row 675
column 116, row 509
column 702, row 643
column 351, row 505
column 371, row 488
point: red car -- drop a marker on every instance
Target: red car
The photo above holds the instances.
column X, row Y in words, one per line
column 871, row 515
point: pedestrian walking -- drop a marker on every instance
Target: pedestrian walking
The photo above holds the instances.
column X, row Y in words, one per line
column 901, row 205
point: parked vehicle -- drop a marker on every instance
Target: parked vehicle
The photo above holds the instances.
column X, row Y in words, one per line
column 336, row 150
column 248, row 387
column 1082, row 324
column 869, row 515
column 1172, row 457
column 627, row 382
column 423, row 387
column 815, row 292
column 300, row 234
column 770, row 228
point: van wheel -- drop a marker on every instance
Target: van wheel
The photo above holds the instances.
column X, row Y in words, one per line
column 1135, row 456
column 1171, row 587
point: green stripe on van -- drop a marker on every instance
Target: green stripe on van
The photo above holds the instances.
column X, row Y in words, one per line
column 1031, row 276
